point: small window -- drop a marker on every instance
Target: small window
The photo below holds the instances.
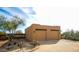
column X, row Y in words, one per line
column 53, row 30
column 41, row 29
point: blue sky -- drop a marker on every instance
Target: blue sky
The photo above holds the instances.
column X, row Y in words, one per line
column 65, row 17
column 11, row 11
column 23, row 12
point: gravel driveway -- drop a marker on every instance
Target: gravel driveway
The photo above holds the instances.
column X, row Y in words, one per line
column 61, row 46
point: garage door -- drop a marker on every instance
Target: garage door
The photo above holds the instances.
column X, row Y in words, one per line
column 53, row 35
column 40, row 34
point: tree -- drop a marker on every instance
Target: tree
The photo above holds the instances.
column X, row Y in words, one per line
column 13, row 24
column 2, row 23
column 71, row 35
column 77, row 35
column 10, row 25
column 66, row 35
column 16, row 23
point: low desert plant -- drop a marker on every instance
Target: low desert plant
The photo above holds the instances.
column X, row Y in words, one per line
column 35, row 43
column 71, row 35
column 2, row 33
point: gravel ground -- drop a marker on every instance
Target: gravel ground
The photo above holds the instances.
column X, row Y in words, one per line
column 61, row 46
column 52, row 46
column 3, row 42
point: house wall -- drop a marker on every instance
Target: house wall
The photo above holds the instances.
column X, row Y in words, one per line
column 43, row 32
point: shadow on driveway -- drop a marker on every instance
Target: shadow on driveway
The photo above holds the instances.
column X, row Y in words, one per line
column 47, row 42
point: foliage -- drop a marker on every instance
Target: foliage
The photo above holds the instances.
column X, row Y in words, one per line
column 77, row 35
column 10, row 25
column 2, row 22
column 17, row 22
column 71, row 35
column 66, row 35
column 2, row 33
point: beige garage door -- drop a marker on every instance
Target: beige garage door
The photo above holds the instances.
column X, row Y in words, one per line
column 53, row 35
column 40, row 34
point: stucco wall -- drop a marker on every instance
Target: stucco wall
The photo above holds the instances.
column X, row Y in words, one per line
column 43, row 32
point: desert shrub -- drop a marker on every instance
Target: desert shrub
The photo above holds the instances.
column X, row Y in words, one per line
column 34, row 43
column 71, row 35
column 2, row 33
column 2, row 36
column 66, row 35
column 77, row 35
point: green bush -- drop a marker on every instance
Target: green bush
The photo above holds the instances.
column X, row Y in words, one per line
column 77, row 35
column 2, row 33
column 71, row 35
